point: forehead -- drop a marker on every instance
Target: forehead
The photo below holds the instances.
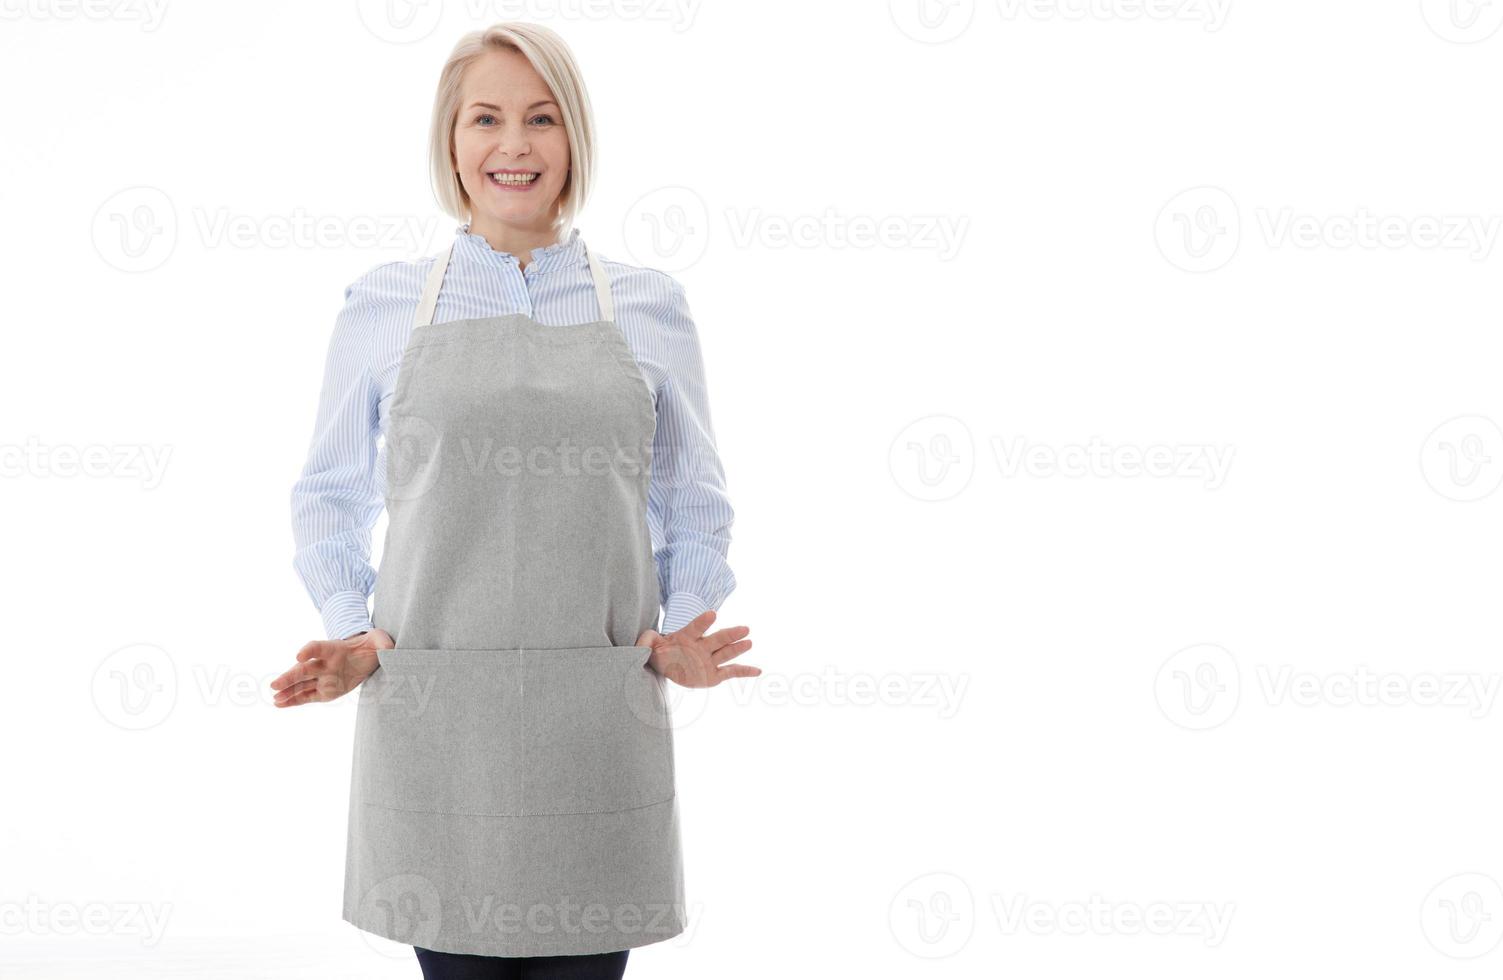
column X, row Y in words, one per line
column 503, row 77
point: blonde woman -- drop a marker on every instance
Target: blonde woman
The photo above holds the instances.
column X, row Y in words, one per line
column 551, row 484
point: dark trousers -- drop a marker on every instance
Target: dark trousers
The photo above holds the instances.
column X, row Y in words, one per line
column 462, row 966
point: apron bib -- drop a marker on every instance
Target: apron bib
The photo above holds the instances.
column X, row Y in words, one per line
column 512, row 789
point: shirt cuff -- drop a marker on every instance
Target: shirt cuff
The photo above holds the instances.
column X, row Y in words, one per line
column 680, row 608
column 345, row 614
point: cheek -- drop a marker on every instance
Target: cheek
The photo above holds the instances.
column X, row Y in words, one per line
column 465, row 154
column 558, row 153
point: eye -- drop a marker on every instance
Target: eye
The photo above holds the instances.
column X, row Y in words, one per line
column 545, row 116
column 484, row 116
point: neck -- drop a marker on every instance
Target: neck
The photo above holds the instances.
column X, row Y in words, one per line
column 516, row 240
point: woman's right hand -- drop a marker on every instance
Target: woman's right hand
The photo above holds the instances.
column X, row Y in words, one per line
column 327, row 669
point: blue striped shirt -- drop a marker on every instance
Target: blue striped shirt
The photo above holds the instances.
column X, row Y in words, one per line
column 342, row 488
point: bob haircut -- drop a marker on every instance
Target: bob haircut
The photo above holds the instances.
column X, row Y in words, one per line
column 554, row 62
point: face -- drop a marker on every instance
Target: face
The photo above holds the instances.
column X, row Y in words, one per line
column 509, row 126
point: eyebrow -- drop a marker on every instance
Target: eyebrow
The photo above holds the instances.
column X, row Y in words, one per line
column 487, row 105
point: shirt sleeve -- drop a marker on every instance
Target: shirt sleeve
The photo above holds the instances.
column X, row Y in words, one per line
column 336, row 500
column 687, row 496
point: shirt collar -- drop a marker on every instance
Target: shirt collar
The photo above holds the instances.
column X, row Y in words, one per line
column 565, row 254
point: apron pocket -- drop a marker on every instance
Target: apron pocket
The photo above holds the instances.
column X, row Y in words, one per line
column 596, row 734
column 440, row 731
column 514, row 732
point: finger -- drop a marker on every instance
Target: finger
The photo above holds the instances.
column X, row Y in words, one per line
column 302, row 695
column 730, row 634
column 301, row 687
column 695, row 628
column 301, row 672
column 730, row 651
column 736, row 670
column 317, row 650
column 303, row 698
column 685, row 668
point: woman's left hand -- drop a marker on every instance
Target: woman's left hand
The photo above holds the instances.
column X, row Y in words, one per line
column 690, row 658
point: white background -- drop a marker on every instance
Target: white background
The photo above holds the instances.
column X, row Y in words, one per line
column 1260, row 233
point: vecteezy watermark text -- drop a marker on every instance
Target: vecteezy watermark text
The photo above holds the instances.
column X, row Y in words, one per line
column 1201, row 230
column 1017, row 457
column 121, row 460
column 1200, row 688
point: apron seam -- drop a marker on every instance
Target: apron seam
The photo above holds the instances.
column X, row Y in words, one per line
column 545, row 813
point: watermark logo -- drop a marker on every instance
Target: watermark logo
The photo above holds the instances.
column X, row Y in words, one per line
column 138, row 229
column 135, row 229
column 405, row 909
column 1462, row 458
column 135, row 687
column 932, row 21
column 670, row 229
column 414, row 457
column 400, row 21
column 932, row 916
column 1198, row 230
column 932, row 458
column 667, row 229
column 1198, row 687
column 1463, row 21
column 1462, row 916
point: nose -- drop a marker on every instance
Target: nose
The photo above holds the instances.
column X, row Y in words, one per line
column 512, row 139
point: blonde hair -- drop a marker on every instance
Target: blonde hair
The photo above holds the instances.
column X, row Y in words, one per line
column 551, row 58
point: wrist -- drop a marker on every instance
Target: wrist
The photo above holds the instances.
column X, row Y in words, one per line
column 345, row 615
column 679, row 609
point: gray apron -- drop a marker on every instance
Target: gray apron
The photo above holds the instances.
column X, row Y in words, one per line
column 512, row 790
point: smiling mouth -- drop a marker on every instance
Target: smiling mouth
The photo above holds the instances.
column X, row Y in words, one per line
column 512, row 179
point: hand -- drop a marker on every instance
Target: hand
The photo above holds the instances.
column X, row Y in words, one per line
column 328, row 668
column 691, row 659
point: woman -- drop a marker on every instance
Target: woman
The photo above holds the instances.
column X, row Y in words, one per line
column 512, row 806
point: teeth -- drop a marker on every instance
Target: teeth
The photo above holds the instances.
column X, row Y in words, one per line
column 513, row 178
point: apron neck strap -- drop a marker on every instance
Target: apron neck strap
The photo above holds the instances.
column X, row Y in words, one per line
column 429, row 301
column 602, row 286
column 431, row 287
